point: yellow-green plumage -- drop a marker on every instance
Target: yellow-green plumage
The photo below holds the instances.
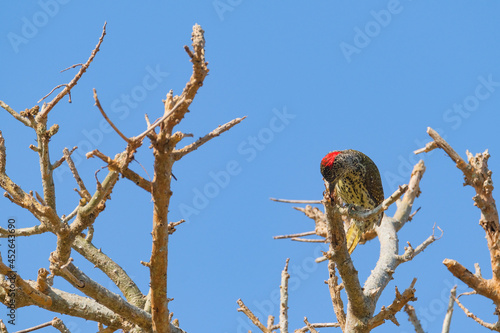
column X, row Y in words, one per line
column 357, row 181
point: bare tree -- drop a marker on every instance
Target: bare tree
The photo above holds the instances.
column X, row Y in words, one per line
column 477, row 175
column 132, row 311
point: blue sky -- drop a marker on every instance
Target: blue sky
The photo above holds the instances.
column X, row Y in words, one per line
column 311, row 77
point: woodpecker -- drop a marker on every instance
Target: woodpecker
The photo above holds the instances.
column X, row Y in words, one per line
column 357, row 181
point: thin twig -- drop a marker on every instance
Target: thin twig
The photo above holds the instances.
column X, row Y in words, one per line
column 410, row 253
column 179, row 153
column 71, row 215
column 72, row 167
column 493, row 327
column 307, row 233
column 172, row 225
column 57, row 87
column 34, row 328
column 309, row 326
column 468, row 293
column 297, row 201
column 98, row 104
column 70, row 67
column 47, row 107
column 316, row 325
column 15, row 114
column 58, row 163
column 308, row 240
column 428, row 147
column 243, row 308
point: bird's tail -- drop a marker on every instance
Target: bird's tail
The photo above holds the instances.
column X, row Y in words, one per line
column 353, row 235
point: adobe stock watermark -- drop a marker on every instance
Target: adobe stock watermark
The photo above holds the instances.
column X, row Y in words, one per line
column 248, row 149
column 32, row 24
column 371, row 29
column 271, row 305
column 223, row 6
column 121, row 108
column 453, row 116
column 459, row 111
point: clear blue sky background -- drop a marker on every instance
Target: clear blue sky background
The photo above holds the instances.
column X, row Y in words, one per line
column 369, row 76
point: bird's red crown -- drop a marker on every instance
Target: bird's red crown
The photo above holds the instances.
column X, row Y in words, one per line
column 328, row 160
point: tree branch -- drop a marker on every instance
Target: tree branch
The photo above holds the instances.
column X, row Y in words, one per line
column 98, row 104
column 37, row 296
column 307, row 233
column 284, row 299
column 35, row 230
column 449, row 311
column 84, row 193
column 487, row 288
column 72, row 305
column 340, row 256
column 56, row 323
column 335, row 288
column 15, row 114
column 310, row 326
column 411, row 253
column 115, row 272
column 179, row 153
column 16, row 195
column 398, row 303
column 405, row 207
column 243, row 308
column 297, row 201
column 412, row 317
column 105, row 297
column 125, row 171
column 493, row 327
column 47, row 107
